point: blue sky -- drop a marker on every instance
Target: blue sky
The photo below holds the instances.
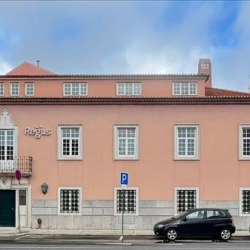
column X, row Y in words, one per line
column 72, row 37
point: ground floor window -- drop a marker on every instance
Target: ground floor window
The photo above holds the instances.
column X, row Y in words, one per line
column 70, row 200
column 126, row 201
column 245, row 201
column 185, row 199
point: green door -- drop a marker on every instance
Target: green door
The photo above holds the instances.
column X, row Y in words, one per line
column 7, row 208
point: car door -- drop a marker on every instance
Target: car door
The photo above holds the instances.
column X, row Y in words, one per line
column 213, row 221
column 192, row 223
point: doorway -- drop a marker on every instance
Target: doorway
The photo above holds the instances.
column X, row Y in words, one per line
column 7, row 208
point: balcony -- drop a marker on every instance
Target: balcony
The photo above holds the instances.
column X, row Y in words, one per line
column 22, row 163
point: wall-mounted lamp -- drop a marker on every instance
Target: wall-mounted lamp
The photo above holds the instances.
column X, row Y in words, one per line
column 44, row 188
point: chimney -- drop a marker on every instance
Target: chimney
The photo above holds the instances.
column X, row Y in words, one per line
column 204, row 68
column 38, row 63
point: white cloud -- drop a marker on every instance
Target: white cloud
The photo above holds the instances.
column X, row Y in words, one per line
column 4, row 67
column 125, row 37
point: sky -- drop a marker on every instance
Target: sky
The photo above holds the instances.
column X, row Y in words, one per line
column 129, row 37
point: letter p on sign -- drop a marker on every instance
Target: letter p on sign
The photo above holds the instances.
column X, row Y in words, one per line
column 124, row 179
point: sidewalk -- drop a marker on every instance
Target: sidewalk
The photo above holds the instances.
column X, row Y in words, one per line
column 11, row 232
column 42, row 236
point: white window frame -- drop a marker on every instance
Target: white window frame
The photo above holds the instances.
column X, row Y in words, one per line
column 184, row 189
column 59, row 200
column 137, row 200
column 241, row 200
column 122, row 85
column 60, row 146
column 116, row 151
column 71, row 86
column 181, row 86
column 26, row 88
column 11, row 88
column 196, row 143
column 241, row 156
column 2, row 87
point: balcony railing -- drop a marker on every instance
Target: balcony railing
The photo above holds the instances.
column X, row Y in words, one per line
column 23, row 163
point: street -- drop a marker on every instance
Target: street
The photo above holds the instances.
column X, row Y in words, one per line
column 160, row 246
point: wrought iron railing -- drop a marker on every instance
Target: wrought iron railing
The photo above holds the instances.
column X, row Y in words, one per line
column 11, row 164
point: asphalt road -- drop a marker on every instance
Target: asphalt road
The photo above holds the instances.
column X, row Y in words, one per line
column 166, row 246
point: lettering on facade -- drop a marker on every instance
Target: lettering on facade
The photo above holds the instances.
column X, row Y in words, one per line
column 37, row 131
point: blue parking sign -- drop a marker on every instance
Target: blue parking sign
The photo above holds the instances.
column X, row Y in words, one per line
column 124, row 179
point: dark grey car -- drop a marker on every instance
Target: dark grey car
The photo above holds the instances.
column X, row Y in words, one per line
column 202, row 222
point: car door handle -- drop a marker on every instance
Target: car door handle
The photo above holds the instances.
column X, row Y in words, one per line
column 13, row 209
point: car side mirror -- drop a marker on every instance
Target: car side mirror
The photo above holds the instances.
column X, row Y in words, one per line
column 184, row 219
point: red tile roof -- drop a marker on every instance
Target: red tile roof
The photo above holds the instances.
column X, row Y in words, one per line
column 29, row 69
column 224, row 92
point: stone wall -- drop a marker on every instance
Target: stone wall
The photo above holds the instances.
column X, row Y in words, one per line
column 99, row 215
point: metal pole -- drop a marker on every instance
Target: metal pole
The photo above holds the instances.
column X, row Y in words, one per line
column 18, row 203
column 123, row 208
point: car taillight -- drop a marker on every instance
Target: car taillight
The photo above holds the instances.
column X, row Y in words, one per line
column 232, row 220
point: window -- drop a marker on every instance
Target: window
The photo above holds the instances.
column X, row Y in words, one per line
column 185, row 199
column 197, row 215
column 1, row 89
column 126, row 142
column 212, row 214
column 245, row 201
column 184, row 88
column 70, row 142
column 70, row 200
column 14, row 89
column 128, row 88
column 244, row 142
column 126, row 201
column 186, row 142
column 75, row 89
column 29, row 89
column 22, row 197
column 6, row 144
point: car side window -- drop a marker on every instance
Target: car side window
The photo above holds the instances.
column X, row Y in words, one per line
column 212, row 214
column 196, row 215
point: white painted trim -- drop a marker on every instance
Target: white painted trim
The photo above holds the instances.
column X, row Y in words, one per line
column 80, row 201
column 6, row 123
column 11, row 90
column 116, row 156
column 26, row 88
column 240, row 201
column 2, row 83
column 59, row 142
column 240, row 145
column 197, row 142
column 137, row 200
column 186, row 188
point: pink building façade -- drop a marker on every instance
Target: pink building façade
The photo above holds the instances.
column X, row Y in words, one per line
column 183, row 143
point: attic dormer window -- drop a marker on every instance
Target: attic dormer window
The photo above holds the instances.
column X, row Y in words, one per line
column 14, row 89
column 75, row 89
column 184, row 88
column 128, row 88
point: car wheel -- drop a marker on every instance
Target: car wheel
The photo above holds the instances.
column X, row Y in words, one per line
column 171, row 234
column 225, row 234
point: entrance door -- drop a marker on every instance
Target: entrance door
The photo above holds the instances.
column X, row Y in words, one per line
column 7, row 149
column 7, row 208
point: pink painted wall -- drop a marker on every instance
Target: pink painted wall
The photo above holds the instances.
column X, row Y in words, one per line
column 101, row 87
column 218, row 173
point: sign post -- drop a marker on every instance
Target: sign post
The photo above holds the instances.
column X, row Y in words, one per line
column 18, row 176
column 124, row 183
